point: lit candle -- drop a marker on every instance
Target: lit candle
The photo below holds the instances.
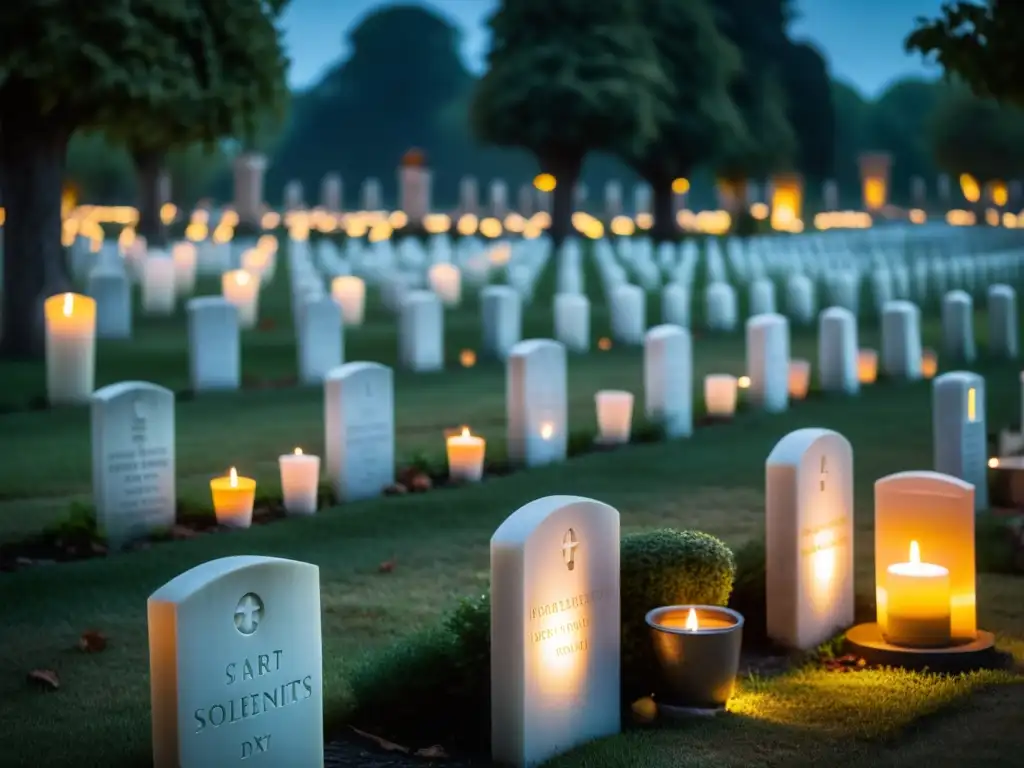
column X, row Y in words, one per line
column 70, row 348
column 233, row 497
column 614, row 415
column 446, row 281
column 259, row 263
column 929, row 364
column 242, row 289
column 867, row 366
column 467, row 358
column 184, row 256
column 720, row 391
column 918, row 603
column 466, row 457
column 349, row 293
column 300, row 481
column 799, row 378
column 694, row 624
column 158, row 289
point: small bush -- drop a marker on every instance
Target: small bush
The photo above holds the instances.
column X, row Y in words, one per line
column 665, row 567
column 749, row 593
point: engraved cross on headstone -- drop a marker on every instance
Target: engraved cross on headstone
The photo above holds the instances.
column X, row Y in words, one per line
column 248, row 614
column 569, row 544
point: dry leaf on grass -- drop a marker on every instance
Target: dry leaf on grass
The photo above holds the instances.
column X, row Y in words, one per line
column 387, row 746
column 46, row 678
column 436, row 751
column 387, row 566
column 92, row 641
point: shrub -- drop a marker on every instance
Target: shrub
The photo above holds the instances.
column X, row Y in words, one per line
column 749, row 593
column 665, row 567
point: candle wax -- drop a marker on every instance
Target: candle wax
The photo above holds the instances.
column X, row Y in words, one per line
column 233, row 504
column 466, row 457
column 300, row 482
column 918, row 605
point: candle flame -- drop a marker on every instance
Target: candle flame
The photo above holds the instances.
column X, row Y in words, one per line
column 743, row 382
column 233, row 478
column 69, row 303
column 547, row 429
column 692, row 625
column 298, row 451
column 242, row 278
column 465, row 432
column 915, row 552
column 993, row 463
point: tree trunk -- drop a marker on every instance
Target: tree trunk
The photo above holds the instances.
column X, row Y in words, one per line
column 32, row 156
column 565, row 167
column 148, row 166
column 665, row 228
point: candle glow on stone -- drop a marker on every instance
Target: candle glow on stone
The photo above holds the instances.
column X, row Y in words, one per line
column 547, row 430
column 972, row 405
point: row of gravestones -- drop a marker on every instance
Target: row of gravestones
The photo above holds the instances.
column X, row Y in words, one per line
column 235, row 643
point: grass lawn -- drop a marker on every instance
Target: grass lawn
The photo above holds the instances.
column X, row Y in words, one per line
column 438, row 543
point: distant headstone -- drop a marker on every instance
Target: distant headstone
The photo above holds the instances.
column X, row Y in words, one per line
column 501, row 320
column 1002, row 322
column 321, row 340
column 133, row 481
column 809, row 537
column 800, row 303
column 901, row 340
column 768, row 362
column 555, row 629
column 762, row 297
column 214, row 344
column 572, row 321
column 359, row 423
column 421, row 332
column 235, row 665
column 720, row 310
column 675, row 305
column 112, row 292
column 668, row 379
column 536, row 394
column 628, row 314
column 959, row 438
column 958, row 326
column 837, row 351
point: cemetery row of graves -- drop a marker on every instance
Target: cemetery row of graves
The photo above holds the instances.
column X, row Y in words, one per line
column 406, row 357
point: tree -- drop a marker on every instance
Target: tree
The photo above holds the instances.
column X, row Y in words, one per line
column 566, row 77
column 804, row 78
column 67, row 66
column 981, row 43
column 701, row 117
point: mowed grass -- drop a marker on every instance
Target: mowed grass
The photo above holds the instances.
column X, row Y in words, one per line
column 438, row 543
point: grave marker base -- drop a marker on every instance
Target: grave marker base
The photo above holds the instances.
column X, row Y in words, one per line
column 865, row 641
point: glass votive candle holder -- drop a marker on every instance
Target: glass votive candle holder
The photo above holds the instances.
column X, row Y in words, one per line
column 614, row 416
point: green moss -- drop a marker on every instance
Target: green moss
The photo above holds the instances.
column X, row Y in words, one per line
column 665, row 567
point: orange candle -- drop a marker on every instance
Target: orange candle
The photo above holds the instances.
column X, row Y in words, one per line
column 466, row 457
column 233, row 497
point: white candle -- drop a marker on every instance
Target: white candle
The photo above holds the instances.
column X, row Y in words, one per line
column 300, row 482
column 799, row 378
column 466, row 457
column 614, row 415
column 158, row 284
column 184, row 256
column 867, row 366
column 233, row 497
column 349, row 293
column 918, row 603
column 720, row 392
column 258, row 262
column 242, row 289
column 446, row 282
column 70, row 348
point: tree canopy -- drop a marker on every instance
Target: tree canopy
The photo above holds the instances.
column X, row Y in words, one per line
column 979, row 137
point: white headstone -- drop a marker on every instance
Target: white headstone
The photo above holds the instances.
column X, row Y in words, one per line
column 958, row 326
column 720, row 310
column 837, row 351
column 675, row 305
column 959, row 438
column 321, row 340
column 536, row 398
column 628, row 314
column 800, row 299
column 901, row 340
column 235, row 665
column 133, row 481
column 421, row 332
column 809, row 537
column 572, row 321
column 555, row 629
column 768, row 362
column 762, row 297
column 501, row 319
column 158, row 285
column 668, row 379
column 359, row 425
column 112, row 292
column 1002, row 322
column 214, row 344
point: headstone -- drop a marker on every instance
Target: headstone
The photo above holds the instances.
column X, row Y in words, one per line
column 628, row 314
column 959, row 438
column 800, row 299
column 371, row 196
column 421, row 332
column 158, row 288
column 501, row 320
column 536, row 394
column 294, row 196
column 837, row 351
column 901, row 340
column 321, row 339
column 249, row 170
column 555, row 629
column 112, row 292
column 1002, row 322
column 235, row 665
column 499, row 198
column 133, row 481
column 675, row 305
column 768, row 362
column 762, row 297
column 446, row 281
column 720, row 310
column 331, row 193
column 214, row 344
column 958, row 326
column 809, row 537
column 668, row 379
column 469, row 196
column 572, row 321
column 936, row 511
column 359, row 425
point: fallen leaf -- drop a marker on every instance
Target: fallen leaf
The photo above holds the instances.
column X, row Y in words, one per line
column 47, row 678
column 92, row 641
column 436, row 751
column 387, row 746
column 387, row 566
